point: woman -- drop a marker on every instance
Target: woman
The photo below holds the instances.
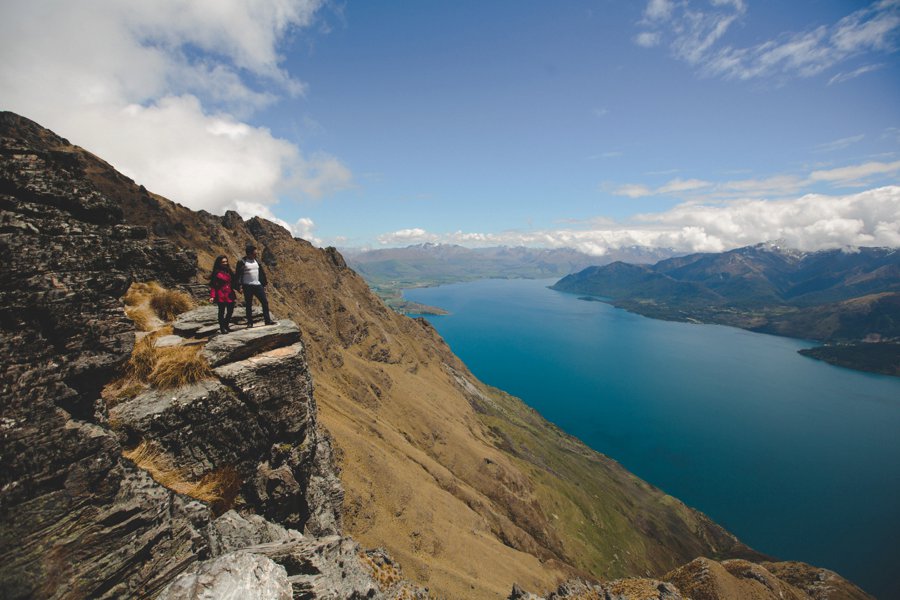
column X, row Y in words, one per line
column 221, row 292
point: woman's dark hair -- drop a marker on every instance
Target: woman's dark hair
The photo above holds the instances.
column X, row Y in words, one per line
column 218, row 266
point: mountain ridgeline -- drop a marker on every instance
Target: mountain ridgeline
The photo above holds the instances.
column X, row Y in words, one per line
column 346, row 423
column 391, row 270
column 848, row 299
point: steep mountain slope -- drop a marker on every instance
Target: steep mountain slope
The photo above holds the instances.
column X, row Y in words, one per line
column 469, row 489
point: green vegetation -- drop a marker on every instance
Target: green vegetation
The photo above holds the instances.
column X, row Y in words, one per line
column 883, row 358
column 608, row 537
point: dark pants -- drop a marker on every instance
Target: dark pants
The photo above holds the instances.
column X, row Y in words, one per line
column 260, row 292
column 226, row 309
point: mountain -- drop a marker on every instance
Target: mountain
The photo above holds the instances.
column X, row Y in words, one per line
column 849, row 299
column 390, row 270
column 354, row 424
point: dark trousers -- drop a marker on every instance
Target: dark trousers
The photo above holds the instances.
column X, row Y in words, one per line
column 226, row 309
column 260, row 292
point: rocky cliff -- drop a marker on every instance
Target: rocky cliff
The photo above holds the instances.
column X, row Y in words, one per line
column 79, row 519
column 470, row 490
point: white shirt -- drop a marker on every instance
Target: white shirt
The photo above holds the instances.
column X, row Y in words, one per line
column 250, row 275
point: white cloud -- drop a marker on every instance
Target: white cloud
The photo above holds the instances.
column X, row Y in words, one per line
column 683, row 185
column 840, row 144
column 855, row 174
column 695, row 34
column 301, row 228
column 407, row 236
column 648, row 39
column 659, row 10
column 633, row 190
column 810, row 222
column 842, row 77
column 162, row 90
column 777, row 186
column 304, row 228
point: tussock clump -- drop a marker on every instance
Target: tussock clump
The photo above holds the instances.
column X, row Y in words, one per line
column 168, row 304
column 142, row 318
column 143, row 358
column 218, row 488
column 177, row 366
column 140, row 293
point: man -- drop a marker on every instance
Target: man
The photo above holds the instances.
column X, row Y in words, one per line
column 250, row 275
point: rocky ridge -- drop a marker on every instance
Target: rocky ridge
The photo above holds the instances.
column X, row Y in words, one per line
column 467, row 487
column 79, row 520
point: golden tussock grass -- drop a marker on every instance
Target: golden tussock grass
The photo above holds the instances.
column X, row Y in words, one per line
column 218, row 488
column 178, row 365
column 168, row 304
column 140, row 293
column 143, row 358
column 141, row 317
column 162, row 368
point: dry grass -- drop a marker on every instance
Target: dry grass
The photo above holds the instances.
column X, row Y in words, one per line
column 218, row 488
column 386, row 575
column 140, row 293
column 168, row 304
column 142, row 318
column 162, row 368
column 178, row 365
column 143, row 358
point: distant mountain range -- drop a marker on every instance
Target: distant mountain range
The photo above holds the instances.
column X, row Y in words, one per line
column 390, row 270
column 849, row 299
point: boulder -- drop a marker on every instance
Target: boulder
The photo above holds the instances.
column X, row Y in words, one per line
column 233, row 531
column 326, row 568
column 203, row 427
column 278, row 385
column 204, row 319
column 239, row 575
column 244, row 343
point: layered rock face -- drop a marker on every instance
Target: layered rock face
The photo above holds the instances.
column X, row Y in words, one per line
column 77, row 520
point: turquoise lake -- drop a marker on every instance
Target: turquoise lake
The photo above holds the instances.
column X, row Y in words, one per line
column 799, row 459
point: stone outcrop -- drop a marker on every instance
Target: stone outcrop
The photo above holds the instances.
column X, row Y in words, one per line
column 77, row 519
column 240, row 574
column 244, row 343
column 706, row 579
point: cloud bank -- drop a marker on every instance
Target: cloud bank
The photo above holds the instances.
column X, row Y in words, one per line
column 851, row 176
column 694, row 32
column 163, row 89
column 811, row 222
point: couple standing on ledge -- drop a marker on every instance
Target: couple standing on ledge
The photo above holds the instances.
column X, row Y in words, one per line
column 248, row 275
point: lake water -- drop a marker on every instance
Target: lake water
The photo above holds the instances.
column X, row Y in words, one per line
column 799, row 459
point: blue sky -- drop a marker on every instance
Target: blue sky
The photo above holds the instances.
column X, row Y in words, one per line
column 693, row 124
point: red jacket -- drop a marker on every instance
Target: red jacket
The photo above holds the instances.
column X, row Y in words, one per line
column 220, row 290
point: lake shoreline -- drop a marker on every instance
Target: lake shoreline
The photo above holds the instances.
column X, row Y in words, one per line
column 663, row 398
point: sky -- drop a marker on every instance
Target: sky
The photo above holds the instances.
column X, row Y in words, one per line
column 696, row 125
